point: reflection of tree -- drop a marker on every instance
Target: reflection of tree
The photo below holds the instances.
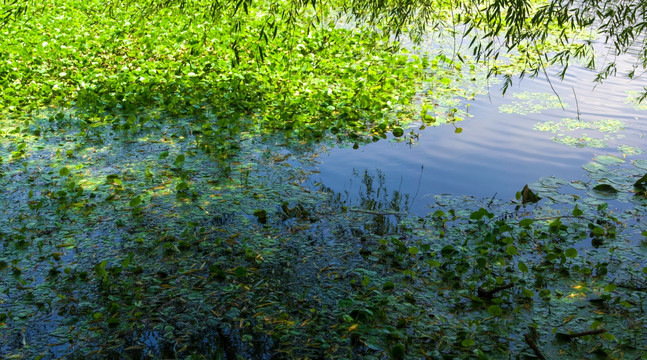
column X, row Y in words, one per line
column 382, row 206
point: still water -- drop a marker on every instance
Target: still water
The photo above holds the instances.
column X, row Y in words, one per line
column 497, row 153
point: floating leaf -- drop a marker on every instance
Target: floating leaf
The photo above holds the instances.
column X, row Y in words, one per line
column 527, row 293
column 398, row 351
column 607, row 336
column 594, row 167
column 398, row 132
column 531, row 103
column 135, row 201
column 511, row 250
column 240, row 272
column 528, row 196
column 579, row 185
column 640, row 163
column 261, row 216
column 609, row 160
column 552, row 182
column 526, row 222
column 581, row 141
column 570, row 253
column 388, row 286
column 629, row 150
column 468, row 342
column 605, row 189
column 641, row 183
column 495, row 310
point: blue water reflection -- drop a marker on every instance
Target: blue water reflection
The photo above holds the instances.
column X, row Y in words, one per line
column 497, row 153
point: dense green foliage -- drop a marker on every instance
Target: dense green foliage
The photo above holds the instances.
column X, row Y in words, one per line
column 496, row 27
column 116, row 69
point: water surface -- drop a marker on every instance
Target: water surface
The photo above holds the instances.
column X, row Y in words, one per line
column 497, row 153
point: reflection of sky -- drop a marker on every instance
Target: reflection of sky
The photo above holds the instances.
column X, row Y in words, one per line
column 496, row 153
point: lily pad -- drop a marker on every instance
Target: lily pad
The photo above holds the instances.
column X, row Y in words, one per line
column 605, row 191
column 619, row 180
column 594, row 167
column 562, row 198
column 640, row 183
column 579, row 185
column 609, row 160
column 640, row 163
column 552, row 181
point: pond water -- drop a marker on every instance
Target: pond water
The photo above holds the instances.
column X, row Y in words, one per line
column 498, row 151
column 139, row 215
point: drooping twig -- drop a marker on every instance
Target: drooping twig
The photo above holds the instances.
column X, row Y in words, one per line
column 534, row 346
column 377, row 212
column 577, row 104
column 487, row 294
column 565, row 336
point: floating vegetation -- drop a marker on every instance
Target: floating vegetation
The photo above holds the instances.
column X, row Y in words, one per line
column 449, row 88
column 532, row 103
column 568, row 124
column 629, row 150
column 582, row 140
column 634, row 98
column 142, row 244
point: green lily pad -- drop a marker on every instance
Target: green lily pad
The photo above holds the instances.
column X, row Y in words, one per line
column 640, row 183
column 605, row 191
column 593, row 201
column 594, row 167
column 562, row 198
column 579, row 185
column 640, row 163
column 620, row 180
column 605, row 188
column 609, row 160
column 552, row 182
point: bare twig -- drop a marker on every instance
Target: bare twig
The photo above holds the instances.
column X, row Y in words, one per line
column 534, row 346
column 580, row 334
column 487, row 294
column 377, row 212
column 577, row 104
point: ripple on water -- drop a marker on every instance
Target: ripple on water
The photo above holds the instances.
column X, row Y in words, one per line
column 496, row 153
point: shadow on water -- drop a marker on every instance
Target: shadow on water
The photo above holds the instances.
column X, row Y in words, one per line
column 369, row 193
